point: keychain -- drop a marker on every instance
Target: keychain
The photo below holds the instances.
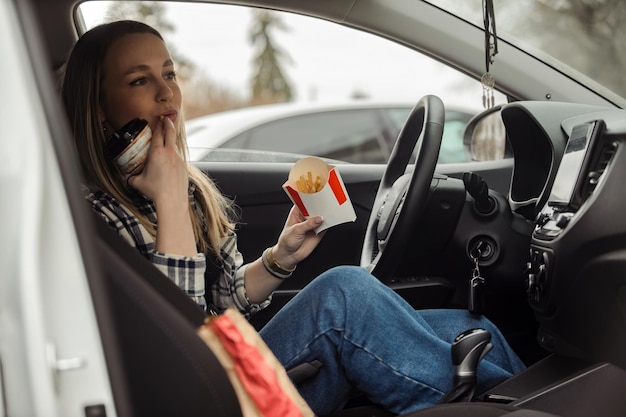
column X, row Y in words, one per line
column 488, row 83
column 476, row 290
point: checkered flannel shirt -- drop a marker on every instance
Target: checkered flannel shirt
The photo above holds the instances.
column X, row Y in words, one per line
column 187, row 272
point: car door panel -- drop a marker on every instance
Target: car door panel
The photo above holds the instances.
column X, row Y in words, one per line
column 257, row 190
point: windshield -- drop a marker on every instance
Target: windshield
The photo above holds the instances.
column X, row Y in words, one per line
column 584, row 36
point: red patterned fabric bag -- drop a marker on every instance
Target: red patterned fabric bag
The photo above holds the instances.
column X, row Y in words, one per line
column 259, row 380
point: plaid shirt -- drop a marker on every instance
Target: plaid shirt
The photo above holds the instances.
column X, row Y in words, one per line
column 187, row 272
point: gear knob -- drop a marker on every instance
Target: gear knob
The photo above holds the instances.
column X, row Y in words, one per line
column 468, row 349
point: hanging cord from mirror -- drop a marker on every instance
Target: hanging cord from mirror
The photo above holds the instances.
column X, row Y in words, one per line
column 491, row 49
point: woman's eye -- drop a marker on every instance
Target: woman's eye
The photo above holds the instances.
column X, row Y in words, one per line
column 138, row 81
column 170, row 75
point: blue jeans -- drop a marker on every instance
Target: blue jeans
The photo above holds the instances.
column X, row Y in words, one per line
column 371, row 341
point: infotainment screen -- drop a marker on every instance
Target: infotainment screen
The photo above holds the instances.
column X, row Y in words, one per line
column 569, row 173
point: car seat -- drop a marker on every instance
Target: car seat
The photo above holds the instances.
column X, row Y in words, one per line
column 168, row 369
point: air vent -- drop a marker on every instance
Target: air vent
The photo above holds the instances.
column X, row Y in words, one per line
column 597, row 169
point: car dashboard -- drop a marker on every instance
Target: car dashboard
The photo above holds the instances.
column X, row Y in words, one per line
column 576, row 273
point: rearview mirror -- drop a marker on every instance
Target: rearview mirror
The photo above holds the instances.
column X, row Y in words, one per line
column 485, row 137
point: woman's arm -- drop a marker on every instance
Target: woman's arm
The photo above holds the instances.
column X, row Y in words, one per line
column 165, row 181
column 186, row 272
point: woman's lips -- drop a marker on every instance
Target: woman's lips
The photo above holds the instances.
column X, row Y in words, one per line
column 170, row 115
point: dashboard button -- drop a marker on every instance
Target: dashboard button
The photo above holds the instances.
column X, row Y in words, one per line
column 562, row 220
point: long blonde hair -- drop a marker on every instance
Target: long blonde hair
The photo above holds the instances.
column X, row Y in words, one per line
column 81, row 93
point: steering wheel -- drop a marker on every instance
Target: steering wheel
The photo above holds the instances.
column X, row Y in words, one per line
column 401, row 198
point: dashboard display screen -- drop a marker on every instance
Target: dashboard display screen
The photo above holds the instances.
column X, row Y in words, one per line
column 571, row 165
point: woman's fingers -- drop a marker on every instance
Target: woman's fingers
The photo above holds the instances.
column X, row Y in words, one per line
column 129, row 179
column 165, row 173
column 169, row 132
column 313, row 222
column 157, row 135
column 294, row 217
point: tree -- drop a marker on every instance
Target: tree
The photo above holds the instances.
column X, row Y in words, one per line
column 584, row 34
column 605, row 39
column 204, row 96
column 359, row 94
column 149, row 12
column 268, row 84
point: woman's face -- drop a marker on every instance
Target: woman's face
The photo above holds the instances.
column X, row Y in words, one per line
column 139, row 81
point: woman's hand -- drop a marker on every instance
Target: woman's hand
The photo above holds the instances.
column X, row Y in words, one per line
column 297, row 239
column 165, row 181
column 165, row 178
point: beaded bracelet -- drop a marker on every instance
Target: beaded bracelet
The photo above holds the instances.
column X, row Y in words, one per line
column 274, row 267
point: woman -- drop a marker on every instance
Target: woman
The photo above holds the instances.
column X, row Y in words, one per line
column 366, row 336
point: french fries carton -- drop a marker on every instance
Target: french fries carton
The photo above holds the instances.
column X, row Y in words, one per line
column 317, row 189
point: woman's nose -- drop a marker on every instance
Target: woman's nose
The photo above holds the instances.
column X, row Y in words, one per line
column 165, row 92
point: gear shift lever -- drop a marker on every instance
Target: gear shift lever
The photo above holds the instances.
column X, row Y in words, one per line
column 467, row 350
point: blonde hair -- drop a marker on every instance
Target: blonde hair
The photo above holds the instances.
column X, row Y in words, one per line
column 81, row 93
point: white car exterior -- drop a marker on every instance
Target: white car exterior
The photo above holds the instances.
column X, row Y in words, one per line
column 357, row 131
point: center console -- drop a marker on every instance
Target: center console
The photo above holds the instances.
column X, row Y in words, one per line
column 565, row 387
column 576, row 271
column 577, row 379
column 579, row 172
column 582, row 166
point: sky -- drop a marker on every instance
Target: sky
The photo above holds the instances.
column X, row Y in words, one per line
column 327, row 61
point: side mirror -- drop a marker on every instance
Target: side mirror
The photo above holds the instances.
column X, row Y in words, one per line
column 485, row 137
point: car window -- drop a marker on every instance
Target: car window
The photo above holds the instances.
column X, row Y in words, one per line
column 223, row 66
column 452, row 150
column 398, row 116
column 357, row 136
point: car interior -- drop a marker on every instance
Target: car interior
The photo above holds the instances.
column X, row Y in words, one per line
column 544, row 228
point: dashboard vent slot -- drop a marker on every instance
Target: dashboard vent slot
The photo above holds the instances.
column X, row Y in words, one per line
column 608, row 150
column 598, row 168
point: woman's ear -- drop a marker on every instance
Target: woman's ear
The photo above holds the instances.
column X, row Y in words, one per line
column 107, row 129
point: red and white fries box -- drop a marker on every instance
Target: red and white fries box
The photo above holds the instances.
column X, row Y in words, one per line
column 332, row 201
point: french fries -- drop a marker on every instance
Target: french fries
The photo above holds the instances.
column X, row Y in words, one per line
column 307, row 185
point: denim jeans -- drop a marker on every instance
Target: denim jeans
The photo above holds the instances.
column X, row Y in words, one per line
column 371, row 341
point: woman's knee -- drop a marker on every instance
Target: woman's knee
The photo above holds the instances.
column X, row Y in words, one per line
column 346, row 279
